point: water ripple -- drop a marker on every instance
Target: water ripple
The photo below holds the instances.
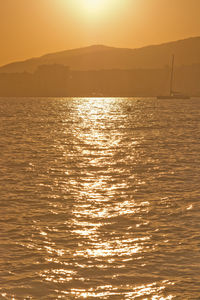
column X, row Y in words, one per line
column 99, row 200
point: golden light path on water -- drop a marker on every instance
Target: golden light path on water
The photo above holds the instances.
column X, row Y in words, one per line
column 102, row 184
column 100, row 198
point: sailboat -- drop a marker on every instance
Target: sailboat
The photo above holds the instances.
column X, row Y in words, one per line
column 173, row 94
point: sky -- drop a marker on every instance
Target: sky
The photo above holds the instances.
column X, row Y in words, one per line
column 31, row 28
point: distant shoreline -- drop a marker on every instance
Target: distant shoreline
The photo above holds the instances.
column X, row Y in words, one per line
column 96, row 97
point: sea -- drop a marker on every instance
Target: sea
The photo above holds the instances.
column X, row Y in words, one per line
column 99, row 198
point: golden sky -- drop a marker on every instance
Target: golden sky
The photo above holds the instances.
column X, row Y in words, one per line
column 30, row 28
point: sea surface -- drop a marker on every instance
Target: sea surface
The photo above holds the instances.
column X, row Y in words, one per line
column 99, row 198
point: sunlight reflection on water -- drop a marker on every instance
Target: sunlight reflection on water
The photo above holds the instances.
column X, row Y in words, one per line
column 103, row 199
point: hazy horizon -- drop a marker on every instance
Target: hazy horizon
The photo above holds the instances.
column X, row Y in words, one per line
column 100, row 45
column 36, row 28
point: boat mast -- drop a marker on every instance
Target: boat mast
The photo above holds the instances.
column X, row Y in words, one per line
column 172, row 75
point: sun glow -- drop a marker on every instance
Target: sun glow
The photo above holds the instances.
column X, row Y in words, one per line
column 93, row 5
column 96, row 8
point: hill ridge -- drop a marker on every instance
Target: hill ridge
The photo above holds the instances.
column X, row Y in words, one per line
column 96, row 57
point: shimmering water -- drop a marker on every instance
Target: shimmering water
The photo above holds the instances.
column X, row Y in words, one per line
column 100, row 198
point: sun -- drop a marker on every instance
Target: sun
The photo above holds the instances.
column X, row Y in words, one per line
column 93, row 6
column 94, row 10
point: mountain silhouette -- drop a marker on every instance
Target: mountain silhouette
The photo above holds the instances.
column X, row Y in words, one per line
column 100, row 57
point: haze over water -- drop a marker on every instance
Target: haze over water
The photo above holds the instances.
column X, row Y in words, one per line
column 99, row 198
